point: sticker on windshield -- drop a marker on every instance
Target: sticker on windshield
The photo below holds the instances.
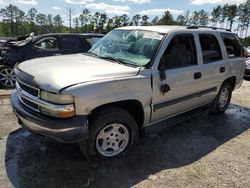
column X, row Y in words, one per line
column 153, row 35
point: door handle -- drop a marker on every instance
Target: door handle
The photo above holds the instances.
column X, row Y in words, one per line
column 197, row 75
column 222, row 69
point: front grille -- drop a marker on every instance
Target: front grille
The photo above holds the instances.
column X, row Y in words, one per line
column 33, row 92
column 29, row 104
column 29, row 89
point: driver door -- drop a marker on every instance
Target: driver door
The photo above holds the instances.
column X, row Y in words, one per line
column 47, row 46
column 180, row 89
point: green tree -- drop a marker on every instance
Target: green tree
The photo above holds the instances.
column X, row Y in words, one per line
column 136, row 19
column 58, row 23
column 181, row 20
column 167, row 19
column 144, row 20
column 231, row 14
column 31, row 18
column 124, row 19
column 203, row 18
column 195, row 18
column 9, row 14
column 155, row 20
column 216, row 14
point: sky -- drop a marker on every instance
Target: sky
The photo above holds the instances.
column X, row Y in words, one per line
column 151, row 8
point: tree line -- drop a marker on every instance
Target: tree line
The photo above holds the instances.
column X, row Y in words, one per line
column 16, row 22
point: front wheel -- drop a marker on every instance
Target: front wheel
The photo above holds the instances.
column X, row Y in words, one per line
column 222, row 100
column 113, row 131
column 7, row 77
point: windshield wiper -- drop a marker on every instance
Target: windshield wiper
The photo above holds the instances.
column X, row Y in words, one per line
column 119, row 61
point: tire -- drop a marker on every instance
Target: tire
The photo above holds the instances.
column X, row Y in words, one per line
column 7, row 77
column 113, row 132
column 222, row 101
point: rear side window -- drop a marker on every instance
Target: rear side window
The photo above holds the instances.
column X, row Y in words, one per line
column 233, row 46
column 71, row 42
column 181, row 52
column 210, row 47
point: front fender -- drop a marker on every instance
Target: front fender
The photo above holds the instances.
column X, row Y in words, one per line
column 89, row 96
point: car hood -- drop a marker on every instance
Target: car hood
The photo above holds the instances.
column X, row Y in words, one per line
column 57, row 72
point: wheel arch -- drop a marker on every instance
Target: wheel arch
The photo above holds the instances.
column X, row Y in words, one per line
column 231, row 80
column 133, row 107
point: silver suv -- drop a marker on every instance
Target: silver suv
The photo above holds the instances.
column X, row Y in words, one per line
column 132, row 79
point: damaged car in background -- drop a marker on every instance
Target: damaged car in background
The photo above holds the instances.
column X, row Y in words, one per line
column 42, row 46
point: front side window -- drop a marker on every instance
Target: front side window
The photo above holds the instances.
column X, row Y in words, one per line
column 134, row 47
column 210, row 47
column 232, row 45
column 49, row 43
column 180, row 52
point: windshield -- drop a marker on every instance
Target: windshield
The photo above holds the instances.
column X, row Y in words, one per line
column 134, row 47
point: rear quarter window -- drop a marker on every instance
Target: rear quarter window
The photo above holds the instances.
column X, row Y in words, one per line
column 232, row 44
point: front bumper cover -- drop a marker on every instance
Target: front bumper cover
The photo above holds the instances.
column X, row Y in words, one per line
column 63, row 130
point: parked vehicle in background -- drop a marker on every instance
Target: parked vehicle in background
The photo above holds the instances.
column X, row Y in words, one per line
column 42, row 46
column 133, row 79
column 5, row 43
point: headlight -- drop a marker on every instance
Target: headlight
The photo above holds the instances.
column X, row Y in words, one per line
column 57, row 98
column 62, row 105
column 62, row 111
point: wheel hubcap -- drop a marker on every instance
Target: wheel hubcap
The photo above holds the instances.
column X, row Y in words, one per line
column 7, row 77
column 223, row 97
column 112, row 140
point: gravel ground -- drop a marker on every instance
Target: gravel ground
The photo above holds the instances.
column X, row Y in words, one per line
column 207, row 151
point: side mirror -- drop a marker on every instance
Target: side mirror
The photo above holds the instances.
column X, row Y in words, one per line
column 162, row 68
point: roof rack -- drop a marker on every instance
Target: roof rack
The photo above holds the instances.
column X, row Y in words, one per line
column 208, row 27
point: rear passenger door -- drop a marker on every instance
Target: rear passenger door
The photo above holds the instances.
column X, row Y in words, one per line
column 215, row 67
column 71, row 44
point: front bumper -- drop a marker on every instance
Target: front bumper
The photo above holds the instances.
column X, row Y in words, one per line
column 63, row 130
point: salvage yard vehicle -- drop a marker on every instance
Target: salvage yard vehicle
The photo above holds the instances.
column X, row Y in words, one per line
column 42, row 46
column 130, row 81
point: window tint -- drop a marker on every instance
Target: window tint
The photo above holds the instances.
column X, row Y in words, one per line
column 71, row 42
column 48, row 43
column 180, row 52
column 210, row 47
column 232, row 45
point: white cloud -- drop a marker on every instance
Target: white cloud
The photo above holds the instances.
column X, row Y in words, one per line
column 202, row 2
column 135, row 1
column 27, row 2
column 155, row 12
column 109, row 9
column 2, row 2
column 56, row 8
column 78, row 2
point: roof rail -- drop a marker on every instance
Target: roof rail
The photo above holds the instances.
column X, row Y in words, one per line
column 208, row 27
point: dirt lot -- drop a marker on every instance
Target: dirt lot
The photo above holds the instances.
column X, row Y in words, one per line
column 207, row 151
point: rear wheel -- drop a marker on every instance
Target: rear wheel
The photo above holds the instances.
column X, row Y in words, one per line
column 223, row 99
column 112, row 132
column 7, row 77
